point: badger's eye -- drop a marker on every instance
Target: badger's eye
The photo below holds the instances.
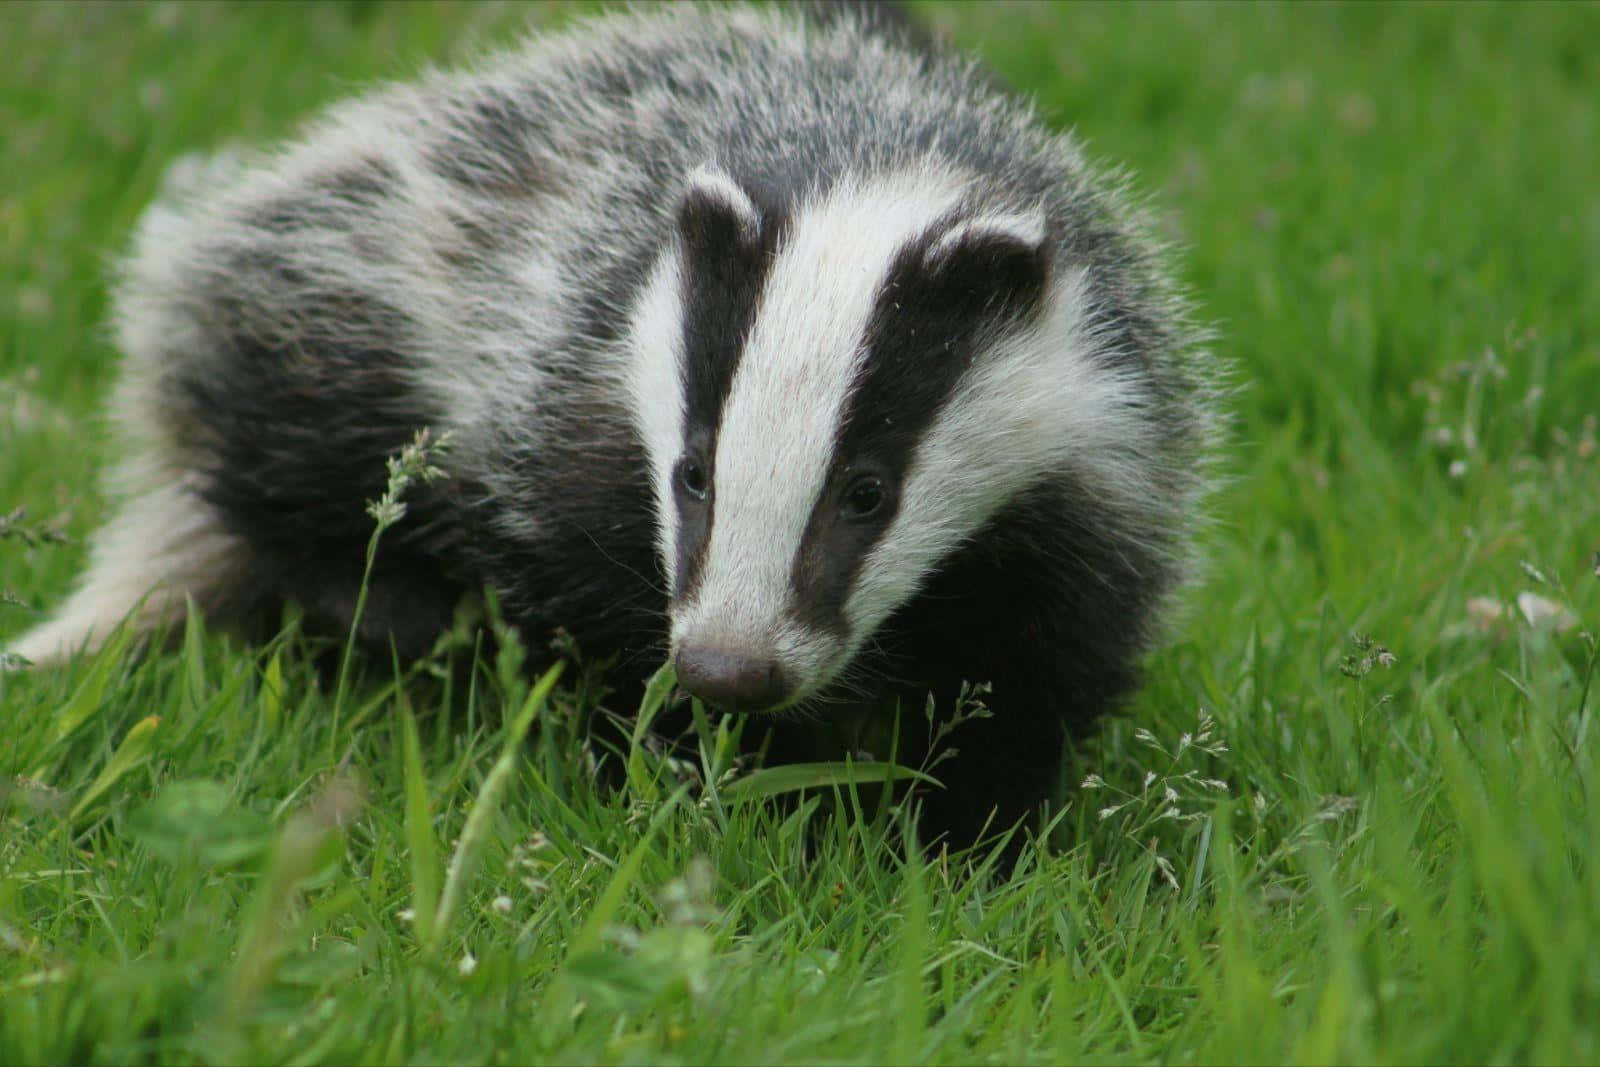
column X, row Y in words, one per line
column 692, row 478
column 864, row 498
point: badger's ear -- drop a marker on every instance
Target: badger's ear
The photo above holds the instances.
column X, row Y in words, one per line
column 716, row 216
column 991, row 263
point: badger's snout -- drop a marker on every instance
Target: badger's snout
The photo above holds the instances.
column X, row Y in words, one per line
column 733, row 679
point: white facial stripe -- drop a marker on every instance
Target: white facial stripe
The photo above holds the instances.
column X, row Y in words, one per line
column 655, row 382
column 781, row 418
column 1032, row 402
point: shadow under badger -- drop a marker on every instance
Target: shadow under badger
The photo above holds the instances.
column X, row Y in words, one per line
column 791, row 347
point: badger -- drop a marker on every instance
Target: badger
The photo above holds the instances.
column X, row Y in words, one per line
column 794, row 350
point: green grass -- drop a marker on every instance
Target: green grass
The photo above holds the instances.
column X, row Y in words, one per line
column 1392, row 213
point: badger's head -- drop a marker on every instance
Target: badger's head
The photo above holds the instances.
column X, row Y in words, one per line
column 834, row 398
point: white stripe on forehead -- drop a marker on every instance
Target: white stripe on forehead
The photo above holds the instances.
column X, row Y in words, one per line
column 780, row 421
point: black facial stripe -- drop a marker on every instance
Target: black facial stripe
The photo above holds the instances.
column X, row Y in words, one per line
column 927, row 327
column 724, row 270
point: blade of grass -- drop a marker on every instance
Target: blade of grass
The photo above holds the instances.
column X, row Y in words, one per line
column 605, row 909
column 789, row 778
column 134, row 751
column 910, row 1007
column 269, row 702
column 89, row 697
column 298, row 853
column 640, row 782
column 419, row 830
column 486, row 805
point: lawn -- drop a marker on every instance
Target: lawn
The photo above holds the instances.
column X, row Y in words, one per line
column 1351, row 817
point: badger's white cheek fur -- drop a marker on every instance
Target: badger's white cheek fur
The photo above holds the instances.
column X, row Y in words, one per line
column 1036, row 403
column 813, row 658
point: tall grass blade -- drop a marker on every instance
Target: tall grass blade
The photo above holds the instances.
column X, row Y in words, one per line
column 474, row 835
column 793, row 777
column 89, row 697
column 133, row 752
column 420, row 839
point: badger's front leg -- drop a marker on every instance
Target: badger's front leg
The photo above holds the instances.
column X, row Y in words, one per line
column 1004, row 769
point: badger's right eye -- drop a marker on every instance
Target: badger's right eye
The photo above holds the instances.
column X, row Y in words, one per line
column 692, row 479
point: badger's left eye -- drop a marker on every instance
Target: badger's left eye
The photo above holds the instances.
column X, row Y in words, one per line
column 864, row 498
column 692, row 478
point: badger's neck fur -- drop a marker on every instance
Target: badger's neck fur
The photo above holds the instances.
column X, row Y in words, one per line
column 834, row 394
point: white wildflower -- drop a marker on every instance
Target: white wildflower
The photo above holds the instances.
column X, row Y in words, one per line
column 1544, row 613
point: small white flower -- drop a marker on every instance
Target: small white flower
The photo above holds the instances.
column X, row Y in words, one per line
column 1543, row 612
column 501, row 904
column 1094, row 781
column 468, row 964
column 406, row 915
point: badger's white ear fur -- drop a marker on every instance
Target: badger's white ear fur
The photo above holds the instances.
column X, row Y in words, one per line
column 163, row 546
column 711, row 198
column 1020, row 233
column 997, row 264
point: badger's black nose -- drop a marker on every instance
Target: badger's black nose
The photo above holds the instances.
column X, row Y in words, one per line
column 731, row 680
